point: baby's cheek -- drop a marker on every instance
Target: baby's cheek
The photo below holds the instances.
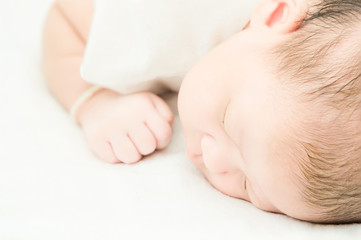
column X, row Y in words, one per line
column 228, row 184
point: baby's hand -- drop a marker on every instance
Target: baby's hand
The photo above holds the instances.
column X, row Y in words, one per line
column 123, row 128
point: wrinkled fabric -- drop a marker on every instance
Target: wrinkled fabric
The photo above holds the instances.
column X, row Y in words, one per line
column 142, row 45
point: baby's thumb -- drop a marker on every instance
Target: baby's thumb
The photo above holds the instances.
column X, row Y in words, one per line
column 163, row 108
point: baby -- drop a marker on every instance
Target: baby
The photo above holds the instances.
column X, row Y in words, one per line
column 272, row 115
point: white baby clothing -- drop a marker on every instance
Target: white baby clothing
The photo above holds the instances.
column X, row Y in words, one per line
column 149, row 45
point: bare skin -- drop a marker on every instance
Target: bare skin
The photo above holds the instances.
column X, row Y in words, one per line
column 114, row 128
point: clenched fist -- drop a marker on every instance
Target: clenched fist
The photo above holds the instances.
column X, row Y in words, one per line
column 124, row 128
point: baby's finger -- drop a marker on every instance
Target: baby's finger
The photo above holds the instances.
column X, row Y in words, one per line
column 162, row 108
column 125, row 150
column 104, row 151
column 160, row 128
column 143, row 139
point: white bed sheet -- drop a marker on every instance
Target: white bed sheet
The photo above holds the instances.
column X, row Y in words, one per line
column 52, row 187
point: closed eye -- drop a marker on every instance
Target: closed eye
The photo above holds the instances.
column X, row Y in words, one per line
column 225, row 113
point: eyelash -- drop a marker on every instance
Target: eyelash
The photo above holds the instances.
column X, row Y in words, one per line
column 224, row 117
column 224, row 114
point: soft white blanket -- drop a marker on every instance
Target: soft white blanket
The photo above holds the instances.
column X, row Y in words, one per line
column 52, row 187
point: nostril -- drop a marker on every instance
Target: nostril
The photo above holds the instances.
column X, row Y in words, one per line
column 191, row 153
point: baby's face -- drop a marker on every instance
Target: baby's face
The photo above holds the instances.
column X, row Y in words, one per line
column 229, row 108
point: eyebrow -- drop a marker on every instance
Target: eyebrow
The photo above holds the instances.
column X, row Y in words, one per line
column 225, row 112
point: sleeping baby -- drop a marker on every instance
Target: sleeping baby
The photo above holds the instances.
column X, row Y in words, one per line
column 270, row 102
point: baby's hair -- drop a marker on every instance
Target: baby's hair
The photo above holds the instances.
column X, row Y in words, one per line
column 321, row 65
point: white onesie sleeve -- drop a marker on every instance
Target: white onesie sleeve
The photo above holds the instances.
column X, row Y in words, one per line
column 138, row 45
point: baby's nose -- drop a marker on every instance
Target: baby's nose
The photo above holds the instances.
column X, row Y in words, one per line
column 214, row 155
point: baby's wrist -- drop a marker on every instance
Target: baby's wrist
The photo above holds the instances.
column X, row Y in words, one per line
column 87, row 101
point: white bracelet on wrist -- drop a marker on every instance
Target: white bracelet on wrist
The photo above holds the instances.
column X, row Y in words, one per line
column 80, row 100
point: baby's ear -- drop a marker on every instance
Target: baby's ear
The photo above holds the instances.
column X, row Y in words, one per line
column 282, row 16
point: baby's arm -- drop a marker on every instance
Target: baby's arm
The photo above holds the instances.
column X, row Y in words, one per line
column 118, row 128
